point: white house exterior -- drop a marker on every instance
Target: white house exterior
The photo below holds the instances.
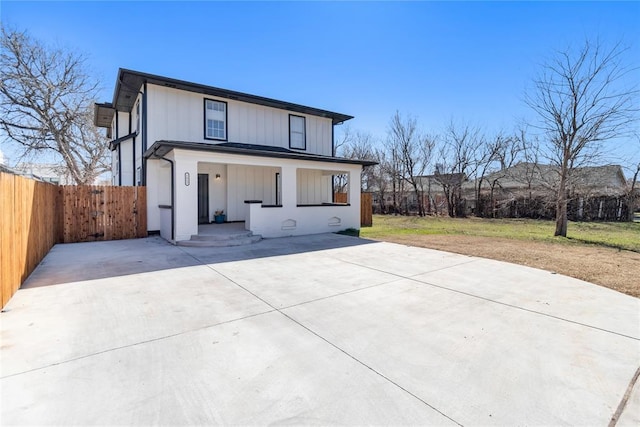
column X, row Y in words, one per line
column 200, row 149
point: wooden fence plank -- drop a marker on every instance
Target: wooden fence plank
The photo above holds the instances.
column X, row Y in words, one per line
column 366, row 210
column 141, row 211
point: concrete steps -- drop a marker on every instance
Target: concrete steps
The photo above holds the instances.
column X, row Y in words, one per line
column 221, row 240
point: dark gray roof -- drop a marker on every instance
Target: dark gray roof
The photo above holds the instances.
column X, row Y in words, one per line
column 160, row 148
column 130, row 82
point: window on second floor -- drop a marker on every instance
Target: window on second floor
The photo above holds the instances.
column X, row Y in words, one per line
column 215, row 119
column 297, row 133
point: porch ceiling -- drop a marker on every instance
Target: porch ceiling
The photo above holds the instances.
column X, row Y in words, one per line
column 161, row 148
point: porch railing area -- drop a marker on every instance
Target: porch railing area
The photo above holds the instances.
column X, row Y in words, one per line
column 279, row 221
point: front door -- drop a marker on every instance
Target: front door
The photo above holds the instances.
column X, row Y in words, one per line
column 203, row 198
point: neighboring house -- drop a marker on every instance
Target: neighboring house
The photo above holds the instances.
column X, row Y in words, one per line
column 200, row 149
column 528, row 189
column 47, row 172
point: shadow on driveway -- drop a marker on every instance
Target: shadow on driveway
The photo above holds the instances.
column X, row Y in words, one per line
column 76, row 262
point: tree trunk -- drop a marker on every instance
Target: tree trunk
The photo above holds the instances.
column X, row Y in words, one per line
column 561, row 208
column 418, row 199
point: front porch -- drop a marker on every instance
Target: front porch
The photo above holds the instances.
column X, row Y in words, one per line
column 271, row 196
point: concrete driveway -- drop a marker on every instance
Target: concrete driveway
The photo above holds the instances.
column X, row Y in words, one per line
column 324, row 330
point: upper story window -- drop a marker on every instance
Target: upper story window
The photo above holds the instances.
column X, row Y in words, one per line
column 297, row 132
column 215, row 119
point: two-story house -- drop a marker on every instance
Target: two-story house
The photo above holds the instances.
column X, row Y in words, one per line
column 200, row 149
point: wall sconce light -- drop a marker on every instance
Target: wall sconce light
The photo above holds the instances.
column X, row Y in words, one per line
column 218, row 176
column 187, row 179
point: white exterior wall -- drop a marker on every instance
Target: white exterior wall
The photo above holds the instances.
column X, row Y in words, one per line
column 123, row 125
column 126, row 162
column 114, row 167
column 287, row 220
column 313, row 187
column 179, row 116
column 159, row 193
column 249, row 183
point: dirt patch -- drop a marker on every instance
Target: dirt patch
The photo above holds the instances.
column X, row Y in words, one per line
column 612, row 268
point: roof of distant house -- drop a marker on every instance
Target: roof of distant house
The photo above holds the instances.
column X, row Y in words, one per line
column 607, row 179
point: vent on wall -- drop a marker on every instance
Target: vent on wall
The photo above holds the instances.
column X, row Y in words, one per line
column 334, row 221
column 289, row 224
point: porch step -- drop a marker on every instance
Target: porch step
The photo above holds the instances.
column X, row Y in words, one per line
column 220, row 237
column 220, row 241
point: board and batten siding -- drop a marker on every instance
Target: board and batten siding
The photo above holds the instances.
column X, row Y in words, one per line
column 249, row 183
column 178, row 115
column 313, row 187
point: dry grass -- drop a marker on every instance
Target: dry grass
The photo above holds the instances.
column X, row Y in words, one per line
column 592, row 262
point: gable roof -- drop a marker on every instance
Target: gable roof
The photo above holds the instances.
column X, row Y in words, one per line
column 129, row 83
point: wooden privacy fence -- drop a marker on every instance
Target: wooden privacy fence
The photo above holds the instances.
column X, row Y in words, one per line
column 366, row 210
column 35, row 215
column 366, row 207
column 93, row 213
column 29, row 227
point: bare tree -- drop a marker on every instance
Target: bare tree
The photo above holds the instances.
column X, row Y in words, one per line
column 379, row 177
column 46, row 99
column 360, row 146
column 581, row 100
column 414, row 152
column 633, row 194
column 457, row 160
column 394, row 169
column 500, row 154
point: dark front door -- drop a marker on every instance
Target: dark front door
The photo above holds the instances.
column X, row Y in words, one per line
column 203, row 198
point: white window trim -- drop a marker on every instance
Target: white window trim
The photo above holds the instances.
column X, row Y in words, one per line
column 304, row 132
column 225, row 122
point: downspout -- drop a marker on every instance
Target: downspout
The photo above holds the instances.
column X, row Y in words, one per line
column 173, row 222
column 120, row 164
column 133, row 165
column 119, row 151
column 144, row 136
column 333, row 153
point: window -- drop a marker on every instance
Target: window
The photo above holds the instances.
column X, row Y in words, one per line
column 297, row 134
column 215, row 119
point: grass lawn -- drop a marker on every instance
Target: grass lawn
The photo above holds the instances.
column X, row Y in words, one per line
column 604, row 253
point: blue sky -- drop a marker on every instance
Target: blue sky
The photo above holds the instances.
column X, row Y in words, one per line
column 466, row 61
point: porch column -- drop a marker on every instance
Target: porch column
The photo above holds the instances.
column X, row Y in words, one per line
column 354, row 197
column 186, row 198
column 289, row 186
column 354, row 187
